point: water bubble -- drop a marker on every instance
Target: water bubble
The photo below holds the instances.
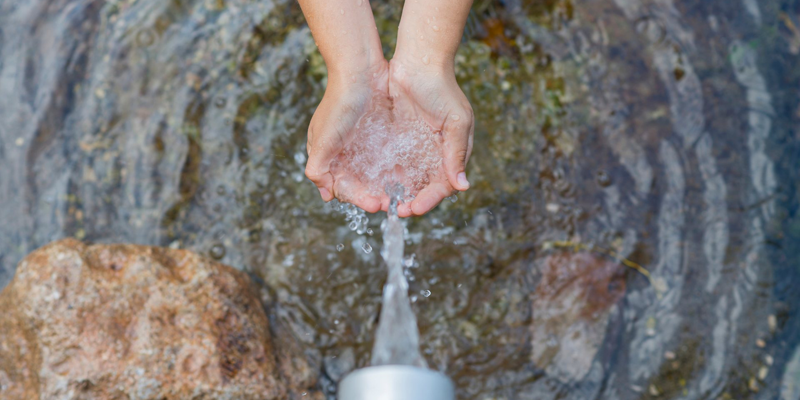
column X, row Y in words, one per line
column 367, row 248
column 353, row 225
column 340, row 247
column 145, row 38
column 369, row 231
column 425, row 292
column 453, row 198
column 217, row 251
column 603, row 179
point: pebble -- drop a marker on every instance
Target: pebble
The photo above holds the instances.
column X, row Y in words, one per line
column 762, row 373
column 217, row 251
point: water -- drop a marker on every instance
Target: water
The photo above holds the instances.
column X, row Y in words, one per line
column 397, row 338
column 664, row 130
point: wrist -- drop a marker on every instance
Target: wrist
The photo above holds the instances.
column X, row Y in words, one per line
column 357, row 65
column 424, row 61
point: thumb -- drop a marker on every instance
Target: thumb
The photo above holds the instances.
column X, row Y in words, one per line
column 457, row 134
column 320, row 154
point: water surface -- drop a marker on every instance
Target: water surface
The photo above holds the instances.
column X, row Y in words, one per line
column 662, row 133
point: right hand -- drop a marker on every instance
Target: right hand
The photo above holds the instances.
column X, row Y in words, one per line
column 345, row 101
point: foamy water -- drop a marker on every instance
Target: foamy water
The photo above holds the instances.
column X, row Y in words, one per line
column 385, row 150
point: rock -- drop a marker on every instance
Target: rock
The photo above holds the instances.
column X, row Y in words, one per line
column 571, row 308
column 136, row 322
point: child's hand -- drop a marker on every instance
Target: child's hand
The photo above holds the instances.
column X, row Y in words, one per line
column 345, row 101
column 431, row 93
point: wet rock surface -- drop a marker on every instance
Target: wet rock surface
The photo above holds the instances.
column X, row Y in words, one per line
column 571, row 309
column 136, row 322
column 666, row 130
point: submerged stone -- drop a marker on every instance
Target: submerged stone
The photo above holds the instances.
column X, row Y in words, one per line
column 571, row 309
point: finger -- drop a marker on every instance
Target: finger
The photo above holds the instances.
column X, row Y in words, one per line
column 318, row 167
column 457, row 132
column 429, row 197
column 404, row 210
column 350, row 190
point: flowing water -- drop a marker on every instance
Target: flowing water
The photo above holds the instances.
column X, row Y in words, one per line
column 397, row 338
column 609, row 134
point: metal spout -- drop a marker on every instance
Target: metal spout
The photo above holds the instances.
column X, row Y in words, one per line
column 396, row 382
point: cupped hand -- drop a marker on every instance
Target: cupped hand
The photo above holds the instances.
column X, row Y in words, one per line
column 346, row 99
column 429, row 92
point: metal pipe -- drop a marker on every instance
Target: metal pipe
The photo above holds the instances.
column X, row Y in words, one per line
column 396, row 382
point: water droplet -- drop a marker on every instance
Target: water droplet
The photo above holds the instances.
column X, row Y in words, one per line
column 353, row 225
column 340, row 247
column 145, row 38
column 369, row 231
column 436, row 28
column 603, row 179
column 453, row 198
column 455, row 117
column 408, row 262
column 220, row 102
column 426, row 60
column 217, row 251
column 413, row 298
column 425, row 292
column 341, row 11
column 367, row 248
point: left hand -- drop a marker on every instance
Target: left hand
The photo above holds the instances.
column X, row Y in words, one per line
column 431, row 93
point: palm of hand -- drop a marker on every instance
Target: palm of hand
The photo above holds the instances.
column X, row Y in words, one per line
column 396, row 97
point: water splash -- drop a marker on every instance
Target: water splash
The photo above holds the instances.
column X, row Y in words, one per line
column 397, row 338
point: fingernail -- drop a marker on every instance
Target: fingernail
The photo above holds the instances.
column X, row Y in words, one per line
column 324, row 193
column 462, row 180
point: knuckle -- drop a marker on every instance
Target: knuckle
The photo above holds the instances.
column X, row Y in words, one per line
column 311, row 172
column 461, row 155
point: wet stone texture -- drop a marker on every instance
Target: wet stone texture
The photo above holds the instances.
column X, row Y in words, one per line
column 571, row 309
column 135, row 322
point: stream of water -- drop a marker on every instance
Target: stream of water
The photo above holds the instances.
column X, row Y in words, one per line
column 397, row 338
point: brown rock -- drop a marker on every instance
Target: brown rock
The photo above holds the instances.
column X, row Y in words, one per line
column 135, row 322
column 571, row 308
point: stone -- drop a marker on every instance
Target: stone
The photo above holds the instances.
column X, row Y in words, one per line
column 134, row 322
column 572, row 305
